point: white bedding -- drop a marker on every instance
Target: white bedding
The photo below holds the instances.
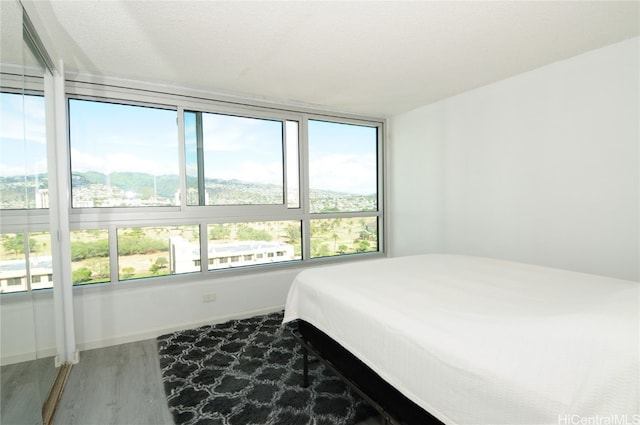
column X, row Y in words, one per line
column 484, row 341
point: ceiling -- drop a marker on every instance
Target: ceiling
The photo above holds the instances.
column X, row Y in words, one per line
column 376, row 58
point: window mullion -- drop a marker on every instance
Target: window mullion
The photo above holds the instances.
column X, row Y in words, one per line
column 27, row 259
column 304, row 188
column 113, row 254
column 182, row 165
column 200, row 158
column 204, row 248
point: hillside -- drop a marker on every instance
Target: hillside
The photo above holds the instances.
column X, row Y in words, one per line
column 94, row 189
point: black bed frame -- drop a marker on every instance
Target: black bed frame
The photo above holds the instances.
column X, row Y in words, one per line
column 393, row 407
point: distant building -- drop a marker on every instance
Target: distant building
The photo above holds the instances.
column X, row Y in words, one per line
column 42, row 198
column 13, row 274
column 184, row 256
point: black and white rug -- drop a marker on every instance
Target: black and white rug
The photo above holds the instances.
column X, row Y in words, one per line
column 249, row 372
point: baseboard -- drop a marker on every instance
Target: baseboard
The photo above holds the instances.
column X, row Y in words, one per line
column 156, row 332
column 25, row 357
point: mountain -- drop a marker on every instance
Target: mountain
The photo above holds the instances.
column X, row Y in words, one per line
column 96, row 188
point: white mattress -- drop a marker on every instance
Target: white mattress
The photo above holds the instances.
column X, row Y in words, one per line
column 484, row 341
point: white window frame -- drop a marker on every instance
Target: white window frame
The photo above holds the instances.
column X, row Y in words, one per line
column 184, row 100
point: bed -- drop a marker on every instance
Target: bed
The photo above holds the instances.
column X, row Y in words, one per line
column 472, row 340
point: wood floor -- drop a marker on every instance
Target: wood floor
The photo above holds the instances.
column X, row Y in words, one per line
column 24, row 389
column 119, row 385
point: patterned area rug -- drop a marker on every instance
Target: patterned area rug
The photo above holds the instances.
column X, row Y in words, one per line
column 249, row 372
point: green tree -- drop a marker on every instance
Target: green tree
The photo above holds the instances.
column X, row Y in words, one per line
column 81, row 275
column 129, row 245
column 83, row 250
column 15, row 244
column 34, row 246
column 162, row 262
column 293, row 233
column 136, row 231
column 363, row 246
column 365, row 235
column 99, row 267
column 247, row 233
column 219, row 232
column 319, row 248
column 128, row 272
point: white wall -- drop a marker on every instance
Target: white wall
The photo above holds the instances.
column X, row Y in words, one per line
column 541, row 167
column 27, row 328
column 414, row 189
column 142, row 310
column 136, row 310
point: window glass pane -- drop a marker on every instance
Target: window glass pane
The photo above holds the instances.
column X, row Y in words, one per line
column 90, row 256
column 156, row 251
column 23, row 152
column 123, row 155
column 339, row 236
column 13, row 261
column 40, row 261
column 293, row 165
column 243, row 160
column 342, row 167
column 191, row 158
column 251, row 243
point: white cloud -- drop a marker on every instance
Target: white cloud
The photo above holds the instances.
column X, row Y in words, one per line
column 223, row 141
column 119, row 162
column 344, row 173
column 227, row 133
column 9, row 170
column 82, row 162
column 22, row 135
column 26, row 123
column 251, row 171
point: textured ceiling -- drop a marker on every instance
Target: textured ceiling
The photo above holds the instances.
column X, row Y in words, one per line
column 375, row 58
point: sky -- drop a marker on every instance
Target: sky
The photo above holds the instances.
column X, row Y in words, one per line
column 107, row 137
column 342, row 157
column 241, row 148
column 23, row 143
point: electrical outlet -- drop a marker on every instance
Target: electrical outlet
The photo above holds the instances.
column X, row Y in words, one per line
column 207, row 298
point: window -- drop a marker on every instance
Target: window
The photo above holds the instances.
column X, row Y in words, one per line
column 158, row 251
column 23, row 152
column 166, row 185
column 342, row 167
column 253, row 243
column 25, row 250
column 90, row 256
column 14, row 281
column 123, row 155
column 340, row 236
column 25, row 259
column 343, row 179
column 234, row 160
